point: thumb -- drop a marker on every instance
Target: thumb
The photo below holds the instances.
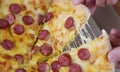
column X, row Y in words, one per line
column 114, row 55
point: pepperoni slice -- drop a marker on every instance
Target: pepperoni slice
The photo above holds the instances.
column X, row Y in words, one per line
column 35, row 49
column 19, row 57
column 3, row 24
column 69, row 24
column 84, row 54
column 20, row 70
column 75, row 68
column 40, row 19
column 48, row 16
column 43, row 67
column 46, row 49
column 28, row 20
column 64, row 59
column 7, row 44
column 18, row 29
column 55, row 66
column 10, row 19
column 44, row 35
column 15, row 8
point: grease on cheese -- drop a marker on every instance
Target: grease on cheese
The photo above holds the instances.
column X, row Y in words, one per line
column 98, row 56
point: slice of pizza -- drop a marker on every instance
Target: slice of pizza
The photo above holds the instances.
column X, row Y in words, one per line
column 20, row 23
column 90, row 57
column 62, row 21
column 25, row 18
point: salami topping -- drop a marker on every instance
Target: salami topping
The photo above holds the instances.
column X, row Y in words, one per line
column 10, row 19
column 14, row 8
column 18, row 29
column 44, row 35
column 40, row 19
column 48, row 16
column 20, row 70
column 3, row 24
column 7, row 44
column 65, row 59
column 75, row 68
column 43, row 67
column 35, row 49
column 19, row 57
column 69, row 24
column 46, row 49
column 28, row 20
column 83, row 54
column 55, row 66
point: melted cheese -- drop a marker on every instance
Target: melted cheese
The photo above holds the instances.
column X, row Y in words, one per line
column 97, row 62
column 22, row 43
column 59, row 35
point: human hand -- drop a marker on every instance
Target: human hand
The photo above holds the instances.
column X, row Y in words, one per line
column 114, row 55
column 91, row 4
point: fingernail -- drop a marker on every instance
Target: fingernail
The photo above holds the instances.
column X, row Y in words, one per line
column 78, row 1
column 112, row 58
column 75, row 1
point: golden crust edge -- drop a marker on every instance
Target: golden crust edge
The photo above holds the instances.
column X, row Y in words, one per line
column 108, row 46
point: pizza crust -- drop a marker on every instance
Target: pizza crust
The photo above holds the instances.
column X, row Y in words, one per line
column 106, row 41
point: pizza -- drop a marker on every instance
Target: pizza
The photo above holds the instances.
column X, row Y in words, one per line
column 33, row 34
column 20, row 23
column 90, row 57
column 60, row 28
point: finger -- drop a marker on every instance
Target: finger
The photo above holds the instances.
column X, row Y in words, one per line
column 116, row 32
column 78, row 1
column 100, row 2
column 90, row 3
column 117, row 65
column 111, row 2
column 92, row 9
column 114, row 40
column 114, row 55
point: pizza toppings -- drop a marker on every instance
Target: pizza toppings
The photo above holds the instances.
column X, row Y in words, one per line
column 35, row 49
column 84, row 54
column 64, row 59
column 75, row 68
column 19, row 57
column 48, row 16
column 55, row 66
column 69, row 24
column 43, row 67
column 15, row 8
column 46, row 49
column 7, row 44
column 18, row 29
column 40, row 18
column 10, row 19
column 44, row 35
column 3, row 24
column 28, row 20
column 20, row 70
